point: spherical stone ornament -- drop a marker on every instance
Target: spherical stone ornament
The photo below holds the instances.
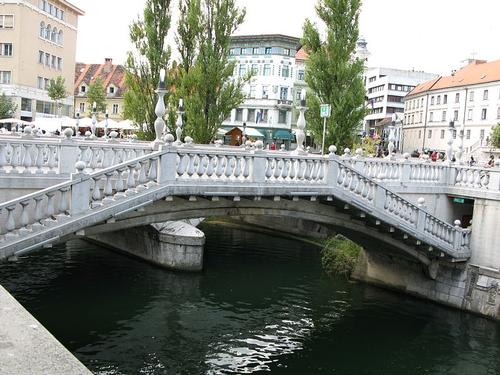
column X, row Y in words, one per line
column 248, row 143
column 406, row 155
column 113, row 134
column 169, row 138
column 188, row 140
column 259, row 145
column 457, row 223
column 359, row 152
column 332, row 149
column 27, row 130
column 80, row 166
column 347, row 151
column 421, row 201
column 68, row 133
column 88, row 133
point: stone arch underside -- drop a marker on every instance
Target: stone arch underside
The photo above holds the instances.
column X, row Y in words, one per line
column 342, row 218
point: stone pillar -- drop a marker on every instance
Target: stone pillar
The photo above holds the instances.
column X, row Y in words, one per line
column 485, row 234
column 173, row 245
column 80, row 191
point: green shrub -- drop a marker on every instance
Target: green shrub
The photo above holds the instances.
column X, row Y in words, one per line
column 495, row 136
column 339, row 256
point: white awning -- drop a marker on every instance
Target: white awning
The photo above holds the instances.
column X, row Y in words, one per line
column 251, row 132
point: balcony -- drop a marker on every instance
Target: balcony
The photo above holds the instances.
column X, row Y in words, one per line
column 285, row 103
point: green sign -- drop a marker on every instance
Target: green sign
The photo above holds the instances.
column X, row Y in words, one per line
column 458, row 200
column 325, row 110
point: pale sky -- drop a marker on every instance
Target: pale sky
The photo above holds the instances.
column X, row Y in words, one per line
column 429, row 35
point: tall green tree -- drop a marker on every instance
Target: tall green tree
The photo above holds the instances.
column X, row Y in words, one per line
column 334, row 75
column 495, row 136
column 206, row 76
column 97, row 94
column 7, row 107
column 143, row 66
column 57, row 91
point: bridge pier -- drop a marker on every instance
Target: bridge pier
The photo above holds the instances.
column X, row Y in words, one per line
column 173, row 245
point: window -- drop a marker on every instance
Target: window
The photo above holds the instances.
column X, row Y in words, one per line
column 431, row 116
column 471, row 96
column 253, row 90
column 469, row 114
column 267, row 70
column 5, row 49
column 59, row 63
column 438, row 100
column 53, row 35
column 481, row 134
column 429, row 134
column 42, row 29
column 26, row 104
column 232, row 52
column 82, row 107
column 255, row 69
column 6, row 21
column 251, row 115
column 498, row 113
column 286, row 51
column 40, row 57
column 255, row 50
column 48, row 32
column 245, row 51
column 467, row 134
column 432, row 100
column 54, row 62
column 284, row 93
column 268, row 50
column 285, row 71
column 455, row 115
column 485, row 95
column 265, row 92
column 483, row 113
column 457, row 97
column 60, row 38
column 243, row 70
column 47, row 59
column 5, row 76
column 83, row 88
column 111, row 90
column 40, row 84
column 443, row 116
column 372, row 79
column 46, row 83
column 445, row 99
column 282, row 117
column 239, row 114
column 442, row 133
column 115, row 109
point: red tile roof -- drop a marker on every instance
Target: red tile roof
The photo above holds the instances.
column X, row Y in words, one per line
column 109, row 73
column 478, row 71
column 301, row 54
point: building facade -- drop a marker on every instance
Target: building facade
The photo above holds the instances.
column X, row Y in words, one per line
column 269, row 95
column 113, row 78
column 37, row 44
column 468, row 100
column 386, row 89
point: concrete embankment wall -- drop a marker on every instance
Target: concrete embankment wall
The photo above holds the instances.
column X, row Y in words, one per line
column 26, row 347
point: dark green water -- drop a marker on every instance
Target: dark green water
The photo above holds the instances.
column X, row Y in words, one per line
column 262, row 305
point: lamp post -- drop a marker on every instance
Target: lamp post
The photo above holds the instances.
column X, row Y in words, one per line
column 106, row 125
column 94, row 120
column 460, row 150
column 178, row 123
column 451, row 129
column 301, row 124
column 160, row 108
column 243, row 136
column 77, row 124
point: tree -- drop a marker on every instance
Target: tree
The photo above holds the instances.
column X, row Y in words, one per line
column 333, row 74
column 97, row 94
column 143, row 68
column 495, row 136
column 206, row 75
column 7, row 107
column 57, row 91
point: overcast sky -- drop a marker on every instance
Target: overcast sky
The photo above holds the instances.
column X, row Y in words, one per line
column 430, row 35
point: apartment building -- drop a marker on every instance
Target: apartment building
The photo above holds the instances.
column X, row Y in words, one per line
column 113, row 78
column 37, row 43
column 269, row 102
column 468, row 99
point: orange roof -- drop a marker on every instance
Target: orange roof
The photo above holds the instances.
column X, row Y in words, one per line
column 479, row 71
column 109, row 73
column 301, row 54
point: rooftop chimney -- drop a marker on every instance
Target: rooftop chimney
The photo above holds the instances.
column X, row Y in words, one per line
column 108, row 64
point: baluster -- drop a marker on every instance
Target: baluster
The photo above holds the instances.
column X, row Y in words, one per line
column 64, row 204
column 191, row 166
column 39, row 158
column 11, row 223
column 131, row 177
column 221, row 165
column 95, row 159
column 24, row 221
column 51, row 162
column 340, row 176
column 293, row 169
column 387, row 202
column 238, row 167
column 477, row 179
column 246, row 168
column 119, row 185
column 202, row 166
column 108, row 187
column 278, row 167
column 38, row 208
column 229, row 166
column 212, row 160
column 269, row 168
column 3, row 157
column 153, row 167
column 485, row 181
column 27, row 158
column 96, row 192
column 50, row 204
column 142, row 172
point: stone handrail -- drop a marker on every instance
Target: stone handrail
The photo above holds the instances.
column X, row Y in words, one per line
column 88, row 199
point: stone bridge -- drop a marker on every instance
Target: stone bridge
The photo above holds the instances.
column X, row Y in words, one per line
column 70, row 187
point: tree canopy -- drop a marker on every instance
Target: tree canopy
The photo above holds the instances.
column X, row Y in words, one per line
column 57, row 90
column 7, row 107
column 333, row 73
column 96, row 94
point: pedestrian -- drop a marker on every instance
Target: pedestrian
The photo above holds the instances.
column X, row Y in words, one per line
column 273, row 146
column 491, row 161
column 472, row 161
column 434, row 156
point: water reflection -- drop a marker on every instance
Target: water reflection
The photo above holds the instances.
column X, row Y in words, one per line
column 262, row 305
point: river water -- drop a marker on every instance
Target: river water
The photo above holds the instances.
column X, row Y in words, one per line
column 262, row 305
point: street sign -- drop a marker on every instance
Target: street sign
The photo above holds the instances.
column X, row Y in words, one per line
column 459, row 200
column 325, row 110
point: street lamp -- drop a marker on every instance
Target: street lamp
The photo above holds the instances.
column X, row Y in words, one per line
column 243, row 136
column 391, row 146
column 106, row 124
column 94, row 120
column 77, row 124
column 160, row 108
column 178, row 124
column 451, row 130
column 301, row 124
